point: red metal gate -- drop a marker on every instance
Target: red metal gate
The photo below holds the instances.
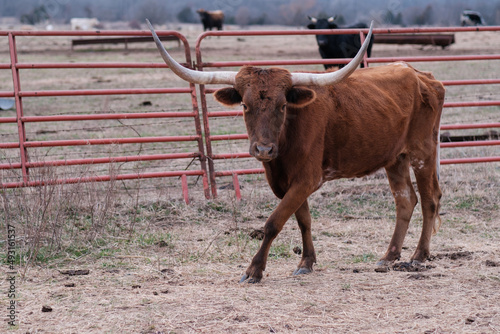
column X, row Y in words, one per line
column 23, row 161
column 210, row 115
column 26, row 162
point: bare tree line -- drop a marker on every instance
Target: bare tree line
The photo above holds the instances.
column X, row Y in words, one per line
column 286, row 12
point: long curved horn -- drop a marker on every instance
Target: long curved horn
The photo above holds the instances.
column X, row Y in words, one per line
column 189, row 75
column 323, row 79
column 313, row 19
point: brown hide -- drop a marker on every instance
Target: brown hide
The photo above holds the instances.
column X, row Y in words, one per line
column 351, row 129
column 385, row 116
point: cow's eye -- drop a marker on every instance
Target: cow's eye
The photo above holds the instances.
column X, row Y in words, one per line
column 283, row 108
column 245, row 108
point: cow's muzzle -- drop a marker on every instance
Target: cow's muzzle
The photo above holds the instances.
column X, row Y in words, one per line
column 264, row 153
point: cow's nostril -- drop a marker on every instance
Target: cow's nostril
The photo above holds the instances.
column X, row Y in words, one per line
column 264, row 149
column 264, row 152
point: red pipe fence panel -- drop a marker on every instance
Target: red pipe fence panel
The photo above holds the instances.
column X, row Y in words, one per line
column 205, row 133
column 213, row 158
column 26, row 161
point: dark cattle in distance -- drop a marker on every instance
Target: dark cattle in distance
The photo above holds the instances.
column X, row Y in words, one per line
column 337, row 46
column 309, row 128
column 471, row 18
column 213, row 19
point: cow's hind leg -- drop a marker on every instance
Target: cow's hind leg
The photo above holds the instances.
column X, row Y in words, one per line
column 427, row 181
column 308, row 255
column 406, row 199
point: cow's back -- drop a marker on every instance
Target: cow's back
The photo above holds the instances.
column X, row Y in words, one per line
column 382, row 102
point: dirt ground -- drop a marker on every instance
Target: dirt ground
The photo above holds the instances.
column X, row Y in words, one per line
column 157, row 265
column 179, row 272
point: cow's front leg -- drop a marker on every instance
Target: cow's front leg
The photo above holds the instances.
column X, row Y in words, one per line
column 290, row 203
column 308, row 255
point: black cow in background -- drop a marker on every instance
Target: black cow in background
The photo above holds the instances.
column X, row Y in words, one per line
column 337, row 46
column 471, row 18
column 210, row 20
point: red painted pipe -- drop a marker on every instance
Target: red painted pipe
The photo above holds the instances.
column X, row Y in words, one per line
column 229, row 137
column 469, row 160
column 225, row 113
column 102, row 178
column 93, row 117
column 89, row 65
column 92, row 161
column 471, row 143
column 469, row 126
column 104, row 92
column 470, row 82
column 11, row 166
column 239, row 172
column 471, row 104
column 223, row 156
column 110, row 141
column 346, row 60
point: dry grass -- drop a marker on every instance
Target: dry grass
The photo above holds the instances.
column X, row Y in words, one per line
column 157, row 265
column 174, row 268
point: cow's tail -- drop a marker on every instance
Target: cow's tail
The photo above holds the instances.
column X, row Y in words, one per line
column 433, row 95
column 438, row 139
column 437, row 223
column 438, row 158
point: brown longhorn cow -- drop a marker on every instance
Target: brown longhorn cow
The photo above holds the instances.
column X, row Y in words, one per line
column 213, row 19
column 309, row 128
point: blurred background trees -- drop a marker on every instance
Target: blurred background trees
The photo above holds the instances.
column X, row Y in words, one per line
column 247, row 12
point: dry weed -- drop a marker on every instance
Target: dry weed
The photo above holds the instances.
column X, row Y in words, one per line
column 177, row 269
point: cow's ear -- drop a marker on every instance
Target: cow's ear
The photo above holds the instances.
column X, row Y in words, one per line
column 299, row 97
column 227, row 96
column 311, row 26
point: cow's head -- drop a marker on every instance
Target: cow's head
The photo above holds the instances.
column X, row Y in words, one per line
column 264, row 94
column 328, row 23
column 203, row 13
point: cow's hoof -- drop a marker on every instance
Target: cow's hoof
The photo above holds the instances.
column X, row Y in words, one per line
column 302, row 271
column 383, row 266
column 250, row 280
column 383, row 263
